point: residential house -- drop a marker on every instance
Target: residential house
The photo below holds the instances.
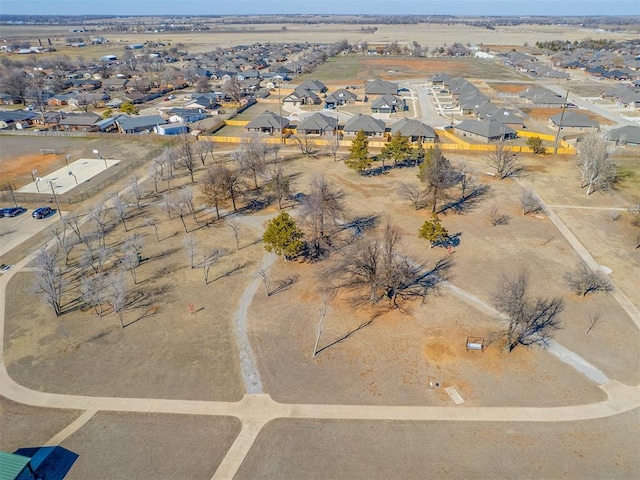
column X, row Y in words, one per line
column 15, row 119
column 302, row 96
column 388, row 104
column 573, row 121
column 208, row 101
column 628, row 135
column 79, row 122
column 340, row 97
column 313, row 85
column 186, row 115
column 318, row 124
column 139, row 124
column 268, row 122
column 485, row 130
column 381, row 87
column 171, row 129
column 372, row 127
column 415, row 130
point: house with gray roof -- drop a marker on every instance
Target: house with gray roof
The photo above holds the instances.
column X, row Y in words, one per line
column 372, row 127
column 629, row 135
column 574, row 121
column 302, row 96
column 318, row 124
column 139, row 124
column 81, row 122
column 340, row 97
column 415, row 130
column 381, row 87
column 388, row 104
column 267, row 122
column 313, row 85
column 485, row 131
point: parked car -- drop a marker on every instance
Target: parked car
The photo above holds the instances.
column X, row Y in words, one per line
column 12, row 211
column 4, row 267
column 42, row 212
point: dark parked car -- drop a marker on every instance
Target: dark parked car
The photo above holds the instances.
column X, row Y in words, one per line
column 42, row 212
column 12, row 211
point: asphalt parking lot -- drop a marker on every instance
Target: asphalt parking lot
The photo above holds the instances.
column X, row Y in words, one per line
column 15, row 230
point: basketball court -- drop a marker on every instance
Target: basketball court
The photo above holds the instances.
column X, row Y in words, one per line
column 68, row 177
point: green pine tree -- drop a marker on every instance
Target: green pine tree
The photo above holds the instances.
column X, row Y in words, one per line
column 358, row 158
column 398, row 148
column 433, row 231
column 129, row 108
column 283, row 237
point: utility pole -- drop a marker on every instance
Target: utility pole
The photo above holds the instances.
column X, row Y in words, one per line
column 55, row 197
column 15, row 204
column 564, row 107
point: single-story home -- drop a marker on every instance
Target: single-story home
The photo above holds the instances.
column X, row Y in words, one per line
column 372, row 127
column 186, row 115
column 313, row 85
column 267, row 122
column 171, row 129
column 318, row 124
column 340, row 97
column 302, row 96
column 485, row 130
column 81, row 122
column 573, row 120
column 388, row 104
column 139, row 124
column 628, row 135
column 415, row 130
column 381, row 87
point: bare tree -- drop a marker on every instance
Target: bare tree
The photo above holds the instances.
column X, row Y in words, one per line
column 414, row 193
column 531, row 321
column 173, row 203
column 93, row 290
column 130, row 261
column 156, row 172
column 136, row 188
column 529, row 202
column 598, row 170
column 438, row 174
column 117, row 294
column 251, row 158
column 234, row 225
column 334, row 145
column 496, row 217
column 232, row 88
column 584, row 280
column 278, row 184
column 213, row 188
column 151, row 223
column 322, row 311
column 50, row 282
column 185, row 156
column 190, row 244
column 211, row 259
column 324, row 205
column 504, row 161
column 65, row 244
column 262, row 274
column 121, row 208
column 185, row 196
column 202, row 149
column 98, row 214
column 594, row 319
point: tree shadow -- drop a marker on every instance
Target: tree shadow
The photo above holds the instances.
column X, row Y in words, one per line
column 468, row 202
column 284, row 285
column 235, row 269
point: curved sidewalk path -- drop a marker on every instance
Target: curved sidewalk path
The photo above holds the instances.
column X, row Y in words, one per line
column 255, row 410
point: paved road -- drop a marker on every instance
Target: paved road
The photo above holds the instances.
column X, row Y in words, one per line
column 255, row 410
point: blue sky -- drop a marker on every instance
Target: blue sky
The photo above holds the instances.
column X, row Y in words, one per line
column 436, row 7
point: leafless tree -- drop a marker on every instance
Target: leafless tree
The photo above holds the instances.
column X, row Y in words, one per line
column 185, row 157
column 211, row 259
column 334, row 145
column 323, row 206
column 73, row 222
column 496, row 217
column 278, row 184
column 173, row 203
column 136, row 188
column 465, row 180
column 437, row 173
column 232, row 88
column 504, row 162
column 322, row 311
column 151, row 223
column 191, row 245
column 414, row 193
column 16, row 83
column 262, row 274
column 251, row 158
column 598, row 170
column 529, row 202
column 130, row 261
column 98, row 214
column 50, row 280
column 117, row 294
column 94, row 291
column 156, row 171
column 531, row 321
column 234, row 225
column 230, row 182
column 65, row 244
column 121, row 208
column 584, row 280
column 202, row 149
column 213, row 188
column 594, row 319
column 185, row 196
column 304, row 144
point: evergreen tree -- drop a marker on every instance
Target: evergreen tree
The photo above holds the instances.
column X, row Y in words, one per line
column 283, row 237
column 129, row 108
column 433, row 231
column 358, row 158
column 398, row 148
